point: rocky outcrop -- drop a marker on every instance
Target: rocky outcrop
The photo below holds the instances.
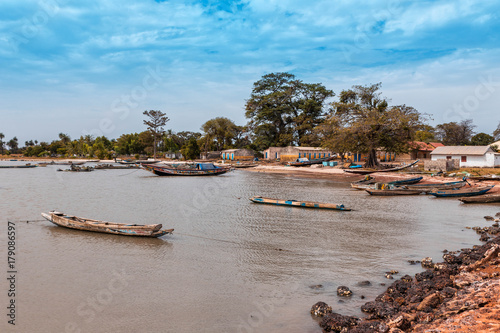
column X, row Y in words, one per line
column 452, row 296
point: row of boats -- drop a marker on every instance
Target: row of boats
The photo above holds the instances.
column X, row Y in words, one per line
column 409, row 186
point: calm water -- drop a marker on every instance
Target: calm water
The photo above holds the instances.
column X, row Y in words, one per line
column 231, row 265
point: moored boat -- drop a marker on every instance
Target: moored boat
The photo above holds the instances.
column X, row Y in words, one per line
column 486, row 198
column 74, row 222
column 18, row 166
column 305, row 161
column 195, row 169
column 297, row 203
column 439, row 186
column 371, row 183
column 486, row 177
column 370, row 171
column 464, row 192
column 392, row 191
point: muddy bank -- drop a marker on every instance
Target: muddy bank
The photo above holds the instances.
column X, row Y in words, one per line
column 460, row 294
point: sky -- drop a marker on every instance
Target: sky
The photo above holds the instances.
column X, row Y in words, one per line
column 93, row 67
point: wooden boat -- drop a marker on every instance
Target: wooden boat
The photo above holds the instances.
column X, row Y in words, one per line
column 137, row 161
column 66, row 163
column 73, row 222
column 196, row 169
column 18, row 166
column 305, row 161
column 367, row 185
column 487, row 198
column 116, row 167
column 464, row 192
column 296, row 203
column 392, row 191
column 487, row 177
column 439, row 186
column 369, row 171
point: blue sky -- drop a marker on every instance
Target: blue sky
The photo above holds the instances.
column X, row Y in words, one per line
column 93, row 67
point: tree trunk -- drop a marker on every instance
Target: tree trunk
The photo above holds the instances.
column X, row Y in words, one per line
column 372, row 161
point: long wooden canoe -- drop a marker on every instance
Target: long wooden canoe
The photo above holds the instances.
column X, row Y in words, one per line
column 439, row 186
column 391, row 192
column 464, row 192
column 18, row 166
column 74, row 222
column 368, row 184
column 197, row 169
column 305, row 162
column 487, row 198
column 296, row 203
column 369, row 171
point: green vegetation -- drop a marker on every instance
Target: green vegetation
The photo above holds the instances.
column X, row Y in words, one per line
column 282, row 110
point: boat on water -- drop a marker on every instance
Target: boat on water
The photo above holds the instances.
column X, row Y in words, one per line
column 370, row 184
column 297, row 203
column 370, row 171
column 74, row 222
column 194, row 169
column 138, row 161
column 116, row 167
column 18, row 166
column 486, row 198
column 439, row 186
column 464, row 192
column 392, row 191
column 303, row 161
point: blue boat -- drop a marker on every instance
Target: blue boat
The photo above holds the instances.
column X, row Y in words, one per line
column 463, row 192
column 300, row 204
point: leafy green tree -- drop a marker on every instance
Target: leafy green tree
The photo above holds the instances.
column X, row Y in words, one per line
column 191, row 150
column 425, row 134
column 219, row 133
column 455, row 134
column 129, row 144
column 155, row 122
column 481, row 139
column 362, row 121
column 283, row 110
column 13, row 145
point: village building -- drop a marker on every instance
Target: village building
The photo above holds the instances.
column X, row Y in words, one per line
column 468, row 156
column 419, row 150
column 291, row 153
column 237, row 154
column 210, row 155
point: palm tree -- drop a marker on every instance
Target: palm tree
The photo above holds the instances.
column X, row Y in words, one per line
column 1, row 143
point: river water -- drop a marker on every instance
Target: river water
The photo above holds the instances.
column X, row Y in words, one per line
column 230, row 266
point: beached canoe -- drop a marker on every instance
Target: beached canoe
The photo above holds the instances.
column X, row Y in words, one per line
column 439, row 186
column 463, row 192
column 196, row 169
column 297, row 203
column 305, row 161
column 487, row 198
column 18, row 166
column 392, row 191
column 485, row 178
column 371, row 184
column 370, row 171
column 73, row 222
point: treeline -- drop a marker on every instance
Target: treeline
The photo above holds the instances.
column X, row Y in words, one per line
column 281, row 111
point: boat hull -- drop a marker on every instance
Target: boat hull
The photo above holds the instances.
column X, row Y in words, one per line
column 488, row 198
column 392, row 192
column 299, row 204
column 370, row 171
column 73, row 222
column 166, row 171
column 468, row 192
column 439, row 186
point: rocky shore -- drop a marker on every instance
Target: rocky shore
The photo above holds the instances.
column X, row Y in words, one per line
column 460, row 294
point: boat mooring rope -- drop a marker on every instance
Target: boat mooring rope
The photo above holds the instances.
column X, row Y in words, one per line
column 27, row 221
column 217, row 240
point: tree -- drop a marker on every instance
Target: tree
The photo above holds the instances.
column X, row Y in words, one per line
column 2, row 136
column 283, row 110
column 496, row 133
column 129, row 144
column 65, row 139
column 481, row 139
column 191, row 150
column 455, row 134
column 13, row 145
column 155, row 122
column 425, row 134
column 362, row 121
column 219, row 133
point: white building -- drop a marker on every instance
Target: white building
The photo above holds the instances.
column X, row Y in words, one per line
column 469, row 156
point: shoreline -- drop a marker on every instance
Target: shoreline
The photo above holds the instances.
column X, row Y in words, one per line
column 461, row 294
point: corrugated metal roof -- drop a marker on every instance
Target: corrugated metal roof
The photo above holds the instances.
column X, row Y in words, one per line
column 462, row 150
column 309, row 148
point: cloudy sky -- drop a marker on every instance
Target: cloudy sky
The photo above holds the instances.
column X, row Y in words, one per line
column 93, row 67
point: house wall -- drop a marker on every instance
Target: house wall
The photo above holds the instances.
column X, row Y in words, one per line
column 273, row 153
column 473, row 161
column 237, row 154
column 441, row 165
column 288, row 154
